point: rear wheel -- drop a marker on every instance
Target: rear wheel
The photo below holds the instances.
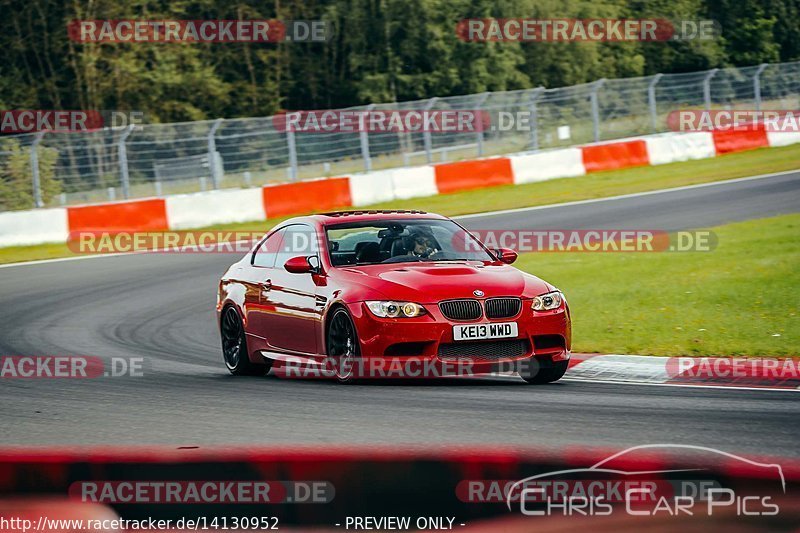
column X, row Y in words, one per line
column 234, row 346
column 342, row 345
column 540, row 372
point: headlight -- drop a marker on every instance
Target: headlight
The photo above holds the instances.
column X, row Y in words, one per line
column 388, row 309
column 546, row 302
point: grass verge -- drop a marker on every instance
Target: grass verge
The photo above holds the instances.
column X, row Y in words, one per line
column 739, row 299
column 597, row 185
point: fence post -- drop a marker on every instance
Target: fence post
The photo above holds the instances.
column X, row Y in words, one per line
column 535, row 95
column 364, row 135
column 122, row 156
column 651, row 99
column 757, row 85
column 596, row 109
column 292, row 154
column 426, row 134
column 212, row 154
column 707, row 88
column 37, row 184
column 478, row 107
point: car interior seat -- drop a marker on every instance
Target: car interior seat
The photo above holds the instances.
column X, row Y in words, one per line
column 368, row 252
column 399, row 247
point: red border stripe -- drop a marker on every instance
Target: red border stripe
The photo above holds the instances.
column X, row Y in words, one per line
column 465, row 175
column 615, row 155
column 727, row 141
column 306, row 196
column 138, row 215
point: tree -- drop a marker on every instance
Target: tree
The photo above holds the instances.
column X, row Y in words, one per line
column 16, row 186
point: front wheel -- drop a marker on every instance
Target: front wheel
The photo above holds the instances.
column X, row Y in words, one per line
column 234, row 346
column 538, row 373
column 342, row 343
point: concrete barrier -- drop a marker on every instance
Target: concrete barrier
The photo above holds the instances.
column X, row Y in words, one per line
column 465, row 175
column 19, row 228
column 414, row 182
column 186, row 211
column 306, row 196
column 615, row 155
column 782, row 138
column 674, row 147
column 564, row 163
column 135, row 215
column 372, row 187
column 727, row 141
column 286, row 199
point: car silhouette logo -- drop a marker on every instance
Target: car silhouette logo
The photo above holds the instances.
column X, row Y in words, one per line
column 478, row 293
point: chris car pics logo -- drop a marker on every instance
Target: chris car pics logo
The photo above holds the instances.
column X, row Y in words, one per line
column 613, row 486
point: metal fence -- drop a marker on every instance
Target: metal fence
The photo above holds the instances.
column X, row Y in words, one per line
column 159, row 159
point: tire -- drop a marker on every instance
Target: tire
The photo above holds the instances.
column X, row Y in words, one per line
column 539, row 373
column 342, row 344
column 234, row 346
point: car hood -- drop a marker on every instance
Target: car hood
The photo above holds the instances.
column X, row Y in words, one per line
column 433, row 282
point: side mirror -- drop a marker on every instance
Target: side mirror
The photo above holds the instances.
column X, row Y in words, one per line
column 506, row 255
column 299, row 265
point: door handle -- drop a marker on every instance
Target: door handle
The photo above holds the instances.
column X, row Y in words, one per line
column 266, row 286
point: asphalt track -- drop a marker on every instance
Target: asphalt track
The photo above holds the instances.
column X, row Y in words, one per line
column 160, row 307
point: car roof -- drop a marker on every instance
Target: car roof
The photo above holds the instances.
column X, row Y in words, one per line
column 338, row 217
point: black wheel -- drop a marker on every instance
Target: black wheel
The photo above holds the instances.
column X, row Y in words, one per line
column 342, row 343
column 538, row 373
column 234, row 346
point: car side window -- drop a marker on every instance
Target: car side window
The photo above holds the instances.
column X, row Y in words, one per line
column 298, row 240
column 264, row 256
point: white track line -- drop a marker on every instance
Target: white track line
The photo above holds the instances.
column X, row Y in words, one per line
column 681, row 385
column 474, row 215
column 116, row 254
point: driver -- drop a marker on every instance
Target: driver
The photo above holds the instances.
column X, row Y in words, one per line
column 422, row 245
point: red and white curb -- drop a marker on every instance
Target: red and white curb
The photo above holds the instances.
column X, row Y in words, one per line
column 740, row 372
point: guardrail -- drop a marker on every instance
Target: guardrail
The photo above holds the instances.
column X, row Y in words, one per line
column 88, row 167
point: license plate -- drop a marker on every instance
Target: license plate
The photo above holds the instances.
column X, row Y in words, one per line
column 471, row 332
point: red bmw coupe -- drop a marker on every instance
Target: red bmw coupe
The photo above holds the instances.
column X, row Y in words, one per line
column 388, row 294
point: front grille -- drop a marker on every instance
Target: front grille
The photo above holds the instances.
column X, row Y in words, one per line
column 461, row 309
column 484, row 350
column 502, row 307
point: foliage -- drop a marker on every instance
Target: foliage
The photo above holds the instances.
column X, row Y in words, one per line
column 381, row 50
column 16, row 191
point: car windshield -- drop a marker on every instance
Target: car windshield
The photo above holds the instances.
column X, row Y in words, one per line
column 401, row 241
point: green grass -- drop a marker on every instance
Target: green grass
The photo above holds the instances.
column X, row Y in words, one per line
column 597, row 185
column 743, row 298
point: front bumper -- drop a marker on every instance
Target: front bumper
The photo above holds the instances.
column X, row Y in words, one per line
column 423, row 346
